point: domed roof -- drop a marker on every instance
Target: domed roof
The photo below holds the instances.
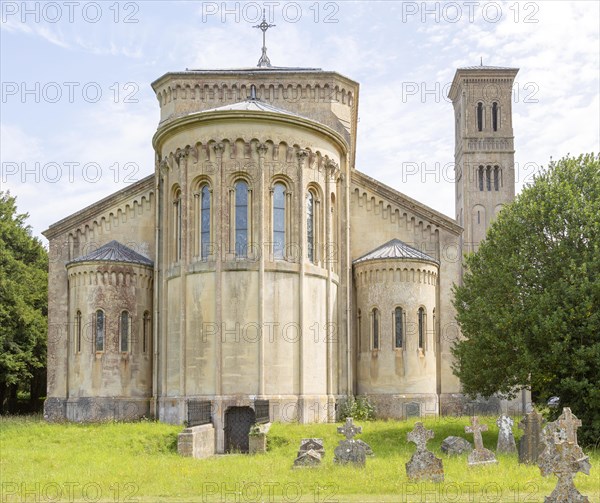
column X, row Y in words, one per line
column 395, row 249
column 114, row 251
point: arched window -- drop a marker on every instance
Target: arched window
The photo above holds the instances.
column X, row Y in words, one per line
column 375, row 328
column 279, row 220
column 398, row 327
column 421, row 321
column 204, row 222
column 488, row 178
column 241, row 219
column 359, row 330
column 496, row 178
column 480, row 175
column 78, row 329
column 124, row 331
column 177, row 225
column 146, row 331
column 495, row 116
column 479, row 116
column 310, row 226
column 99, row 330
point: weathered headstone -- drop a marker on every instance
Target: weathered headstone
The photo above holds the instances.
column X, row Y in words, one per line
column 423, row 464
column 563, row 457
column 506, row 440
column 480, row 455
column 307, row 459
column 456, row 445
column 531, row 444
column 366, row 447
column 349, row 450
column 312, row 444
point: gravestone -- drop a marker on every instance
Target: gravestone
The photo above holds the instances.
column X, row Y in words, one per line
column 423, row 464
column 506, row 440
column 311, row 444
column 366, row 447
column 563, row 457
column 307, row 459
column 349, row 450
column 480, row 455
column 456, row 445
column 531, row 444
column 412, row 409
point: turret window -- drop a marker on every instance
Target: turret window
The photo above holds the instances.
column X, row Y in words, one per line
column 279, row 220
column 124, row 331
column 78, row 329
column 495, row 116
column 480, row 176
column 177, row 226
column 241, row 218
column 421, row 322
column 479, row 116
column 146, row 331
column 204, row 222
column 488, row 178
column 398, row 328
column 496, row 178
column 375, row 328
column 100, row 330
column 310, row 226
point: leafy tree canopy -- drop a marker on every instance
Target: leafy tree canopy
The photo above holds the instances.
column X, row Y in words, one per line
column 23, row 304
column 529, row 306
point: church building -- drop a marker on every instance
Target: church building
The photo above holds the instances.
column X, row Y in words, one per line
column 258, row 271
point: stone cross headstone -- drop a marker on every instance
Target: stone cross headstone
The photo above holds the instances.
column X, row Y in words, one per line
column 349, row 450
column 480, row 455
column 531, row 445
column 423, row 464
column 563, row 457
column 506, row 440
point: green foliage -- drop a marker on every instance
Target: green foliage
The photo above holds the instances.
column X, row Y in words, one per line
column 529, row 306
column 359, row 408
column 23, row 307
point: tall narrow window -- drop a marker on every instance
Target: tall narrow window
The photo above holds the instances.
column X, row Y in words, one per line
column 480, row 174
column 310, row 226
column 278, row 220
column 204, row 222
column 375, row 329
column 488, row 178
column 124, row 322
column 495, row 116
column 421, row 316
column 100, row 330
column 398, row 332
column 146, row 331
column 78, row 331
column 241, row 218
column 359, row 330
column 177, row 225
column 479, row 116
column 496, row 178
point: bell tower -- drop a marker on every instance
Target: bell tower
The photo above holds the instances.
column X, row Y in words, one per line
column 484, row 147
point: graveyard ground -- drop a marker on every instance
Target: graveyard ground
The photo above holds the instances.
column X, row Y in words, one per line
column 128, row 462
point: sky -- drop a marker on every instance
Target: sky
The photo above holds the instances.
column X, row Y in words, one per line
column 78, row 113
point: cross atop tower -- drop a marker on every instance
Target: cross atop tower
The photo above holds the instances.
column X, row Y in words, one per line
column 264, row 26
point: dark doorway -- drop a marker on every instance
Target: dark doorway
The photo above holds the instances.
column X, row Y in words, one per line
column 238, row 421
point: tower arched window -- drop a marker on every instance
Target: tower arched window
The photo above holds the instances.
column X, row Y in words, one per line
column 279, row 219
column 495, row 116
column 479, row 116
column 480, row 176
column 496, row 178
column 99, row 330
column 78, row 329
column 359, row 330
column 421, row 322
column 398, row 327
column 488, row 178
column 241, row 218
column 375, row 328
column 205, row 222
column 124, row 329
column 177, row 226
column 310, row 226
column 146, row 331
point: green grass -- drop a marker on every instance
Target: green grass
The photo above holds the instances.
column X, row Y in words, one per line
column 125, row 462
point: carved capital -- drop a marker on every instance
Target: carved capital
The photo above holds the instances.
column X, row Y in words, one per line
column 163, row 166
column 262, row 149
column 219, row 148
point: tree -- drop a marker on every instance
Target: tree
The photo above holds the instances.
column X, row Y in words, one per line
column 529, row 306
column 23, row 308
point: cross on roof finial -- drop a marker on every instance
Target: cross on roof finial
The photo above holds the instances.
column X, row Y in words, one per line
column 264, row 26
